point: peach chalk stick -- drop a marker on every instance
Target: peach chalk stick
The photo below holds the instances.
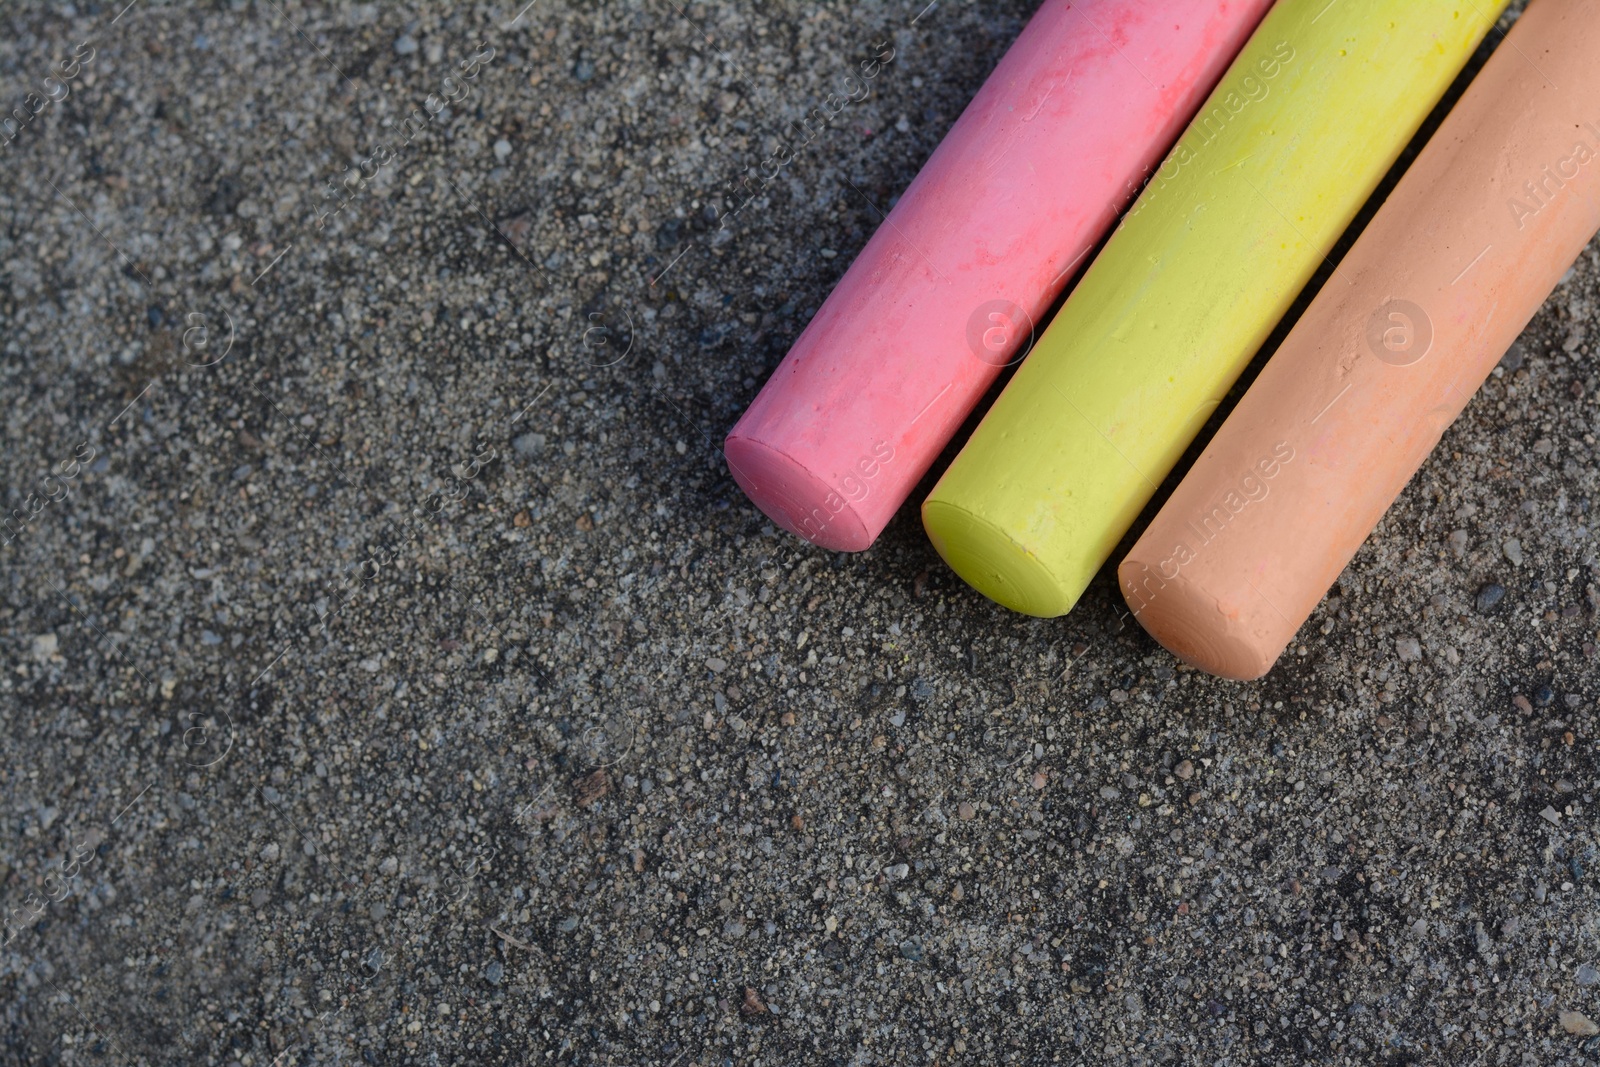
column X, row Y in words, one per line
column 951, row 286
column 1315, row 110
column 1474, row 238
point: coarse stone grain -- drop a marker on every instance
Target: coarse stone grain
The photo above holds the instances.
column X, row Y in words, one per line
column 402, row 678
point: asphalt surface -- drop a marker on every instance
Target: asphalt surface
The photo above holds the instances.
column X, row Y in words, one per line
column 393, row 673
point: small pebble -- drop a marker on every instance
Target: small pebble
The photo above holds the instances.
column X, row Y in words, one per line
column 1550, row 815
column 1184, row 770
column 966, row 811
column 1409, row 649
column 1544, row 696
column 1587, row 975
column 405, row 45
column 1513, row 550
column 1488, row 596
column 1575, row 1022
column 494, row 972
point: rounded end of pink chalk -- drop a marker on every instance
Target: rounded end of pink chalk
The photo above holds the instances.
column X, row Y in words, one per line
column 793, row 497
column 986, row 557
column 1190, row 622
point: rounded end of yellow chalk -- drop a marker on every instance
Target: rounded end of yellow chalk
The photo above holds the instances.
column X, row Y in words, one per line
column 1191, row 623
column 986, row 558
column 789, row 494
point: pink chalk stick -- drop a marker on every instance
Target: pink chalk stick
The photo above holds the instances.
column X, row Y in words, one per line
column 952, row 287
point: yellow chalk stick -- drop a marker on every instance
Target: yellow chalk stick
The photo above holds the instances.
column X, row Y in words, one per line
column 1295, row 138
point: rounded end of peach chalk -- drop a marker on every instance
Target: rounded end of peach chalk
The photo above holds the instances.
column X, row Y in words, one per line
column 985, row 556
column 789, row 494
column 1188, row 622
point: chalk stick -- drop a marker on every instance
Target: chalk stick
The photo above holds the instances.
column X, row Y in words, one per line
column 1303, row 126
column 1450, row 270
column 954, row 282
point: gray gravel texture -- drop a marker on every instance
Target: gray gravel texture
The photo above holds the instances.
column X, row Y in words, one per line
column 398, row 677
